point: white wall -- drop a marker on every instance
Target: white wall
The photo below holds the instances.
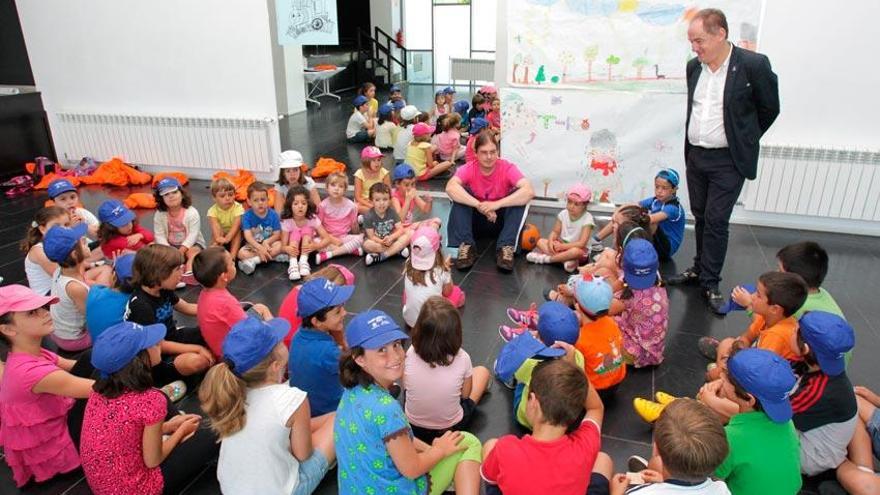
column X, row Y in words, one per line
column 196, row 58
column 295, row 84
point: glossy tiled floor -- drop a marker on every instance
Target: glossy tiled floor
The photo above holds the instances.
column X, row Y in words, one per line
column 854, row 280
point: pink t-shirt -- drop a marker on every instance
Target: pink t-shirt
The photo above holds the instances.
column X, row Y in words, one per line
column 446, row 142
column 33, row 427
column 494, row 119
column 112, row 445
column 499, row 184
column 288, row 312
column 176, row 228
column 338, row 219
column 218, row 311
column 433, row 395
column 307, row 229
column 407, row 217
column 470, row 154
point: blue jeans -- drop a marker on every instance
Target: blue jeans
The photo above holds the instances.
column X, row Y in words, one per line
column 311, row 472
column 465, row 222
column 360, row 137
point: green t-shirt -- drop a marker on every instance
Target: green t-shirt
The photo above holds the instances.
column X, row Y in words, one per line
column 523, row 375
column 822, row 301
column 764, row 456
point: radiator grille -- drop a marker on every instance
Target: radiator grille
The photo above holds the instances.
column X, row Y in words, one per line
column 470, row 69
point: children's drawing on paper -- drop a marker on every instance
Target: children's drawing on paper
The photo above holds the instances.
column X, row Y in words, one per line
column 311, row 22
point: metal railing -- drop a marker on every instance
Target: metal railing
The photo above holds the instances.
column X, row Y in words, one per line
column 380, row 52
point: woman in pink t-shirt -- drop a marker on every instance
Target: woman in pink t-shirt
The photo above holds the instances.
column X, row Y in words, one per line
column 442, row 388
column 36, row 391
column 489, row 196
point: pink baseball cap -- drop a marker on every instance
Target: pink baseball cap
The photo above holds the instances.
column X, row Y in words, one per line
column 422, row 129
column 488, row 89
column 15, row 298
column 370, row 153
column 346, row 273
column 580, row 192
column 423, row 247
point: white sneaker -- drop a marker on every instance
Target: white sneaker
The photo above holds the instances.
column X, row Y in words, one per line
column 247, row 266
column 370, row 258
column 293, row 271
column 404, row 252
column 182, row 284
column 570, row 266
column 304, row 269
column 360, row 219
column 534, row 257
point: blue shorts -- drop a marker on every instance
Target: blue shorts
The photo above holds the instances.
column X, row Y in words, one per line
column 873, row 427
column 311, row 472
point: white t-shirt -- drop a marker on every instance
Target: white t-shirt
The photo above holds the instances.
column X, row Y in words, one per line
column 433, row 395
column 571, row 230
column 88, row 217
column 356, row 123
column 385, row 134
column 404, row 136
column 257, row 459
column 416, row 295
column 38, row 280
column 708, row 487
column 282, row 189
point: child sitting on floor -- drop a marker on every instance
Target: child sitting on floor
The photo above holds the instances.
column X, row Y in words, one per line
column 405, row 198
column 420, row 154
column 120, row 232
column 361, row 126
column 645, row 307
column 64, row 195
column 69, row 248
column 385, row 235
column 177, row 223
column 301, row 232
column 261, row 229
column 338, row 215
column 224, row 216
column 427, row 274
column 448, row 143
column 387, row 129
column 291, row 172
column 599, row 338
column 105, row 305
column 370, row 172
column 568, row 242
column 337, row 274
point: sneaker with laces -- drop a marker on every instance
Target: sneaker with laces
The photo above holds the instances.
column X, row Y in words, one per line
column 404, row 253
column 524, row 317
column 247, row 266
column 293, row 272
column 370, row 258
column 174, row 390
column 648, row 410
column 304, row 268
column 509, row 333
column 466, row 257
column 504, row 259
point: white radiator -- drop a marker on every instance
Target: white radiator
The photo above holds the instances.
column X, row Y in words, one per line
column 819, row 182
column 181, row 142
column 471, row 69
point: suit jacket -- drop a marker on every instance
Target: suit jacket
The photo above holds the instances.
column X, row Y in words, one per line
column 751, row 104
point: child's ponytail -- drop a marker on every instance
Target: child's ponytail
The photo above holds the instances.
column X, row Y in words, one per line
column 33, row 235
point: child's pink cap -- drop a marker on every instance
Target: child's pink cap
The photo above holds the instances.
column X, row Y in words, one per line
column 423, row 247
column 371, row 153
column 488, row 89
column 422, row 129
column 580, row 193
column 346, row 273
column 15, row 298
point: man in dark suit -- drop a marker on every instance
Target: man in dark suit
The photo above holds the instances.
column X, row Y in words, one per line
column 733, row 99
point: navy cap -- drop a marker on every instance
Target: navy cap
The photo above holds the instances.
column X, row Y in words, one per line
column 395, row 88
column 115, row 213
column 59, row 241
column 461, row 106
column 167, row 185
column 250, row 340
column 640, row 264
column 448, row 90
column 124, row 267
column 557, row 321
column 119, row 344
column 372, row 329
column 403, row 171
column 385, row 110
column 768, row 377
column 515, row 353
column 360, row 100
column 829, row 337
column 733, row 305
column 320, row 293
column 58, row 187
column 478, row 124
column 398, row 105
column 669, row 175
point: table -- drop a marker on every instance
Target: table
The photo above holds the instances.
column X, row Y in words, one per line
column 318, row 84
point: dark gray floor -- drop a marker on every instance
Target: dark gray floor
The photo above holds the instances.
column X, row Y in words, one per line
column 853, row 279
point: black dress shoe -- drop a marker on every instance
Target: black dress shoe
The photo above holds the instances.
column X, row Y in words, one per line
column 715, row 300
column 688, row 277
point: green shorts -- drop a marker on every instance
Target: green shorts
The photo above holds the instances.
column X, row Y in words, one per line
column 441, row 475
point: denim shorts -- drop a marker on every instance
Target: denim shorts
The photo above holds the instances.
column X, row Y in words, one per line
column 311, row 472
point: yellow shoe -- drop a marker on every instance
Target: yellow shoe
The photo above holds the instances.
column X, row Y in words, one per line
column 648, row 410
column 663, row 398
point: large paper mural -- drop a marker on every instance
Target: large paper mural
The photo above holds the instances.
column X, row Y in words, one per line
column 307, row 22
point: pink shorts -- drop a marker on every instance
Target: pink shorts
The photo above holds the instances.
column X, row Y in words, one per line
column 75, row 345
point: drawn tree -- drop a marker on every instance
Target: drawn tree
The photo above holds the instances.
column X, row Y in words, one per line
column 611, row 61
column 591, row 53
column 566, row 58
column 640, row 63
column 517, row 61
column 527, row 63
column 540, row 77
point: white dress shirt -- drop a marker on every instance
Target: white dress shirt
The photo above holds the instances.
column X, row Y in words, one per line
column 706, row 127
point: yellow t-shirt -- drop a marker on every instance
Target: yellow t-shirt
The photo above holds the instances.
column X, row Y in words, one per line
column 368, row 183
column 226, row 217
column 374, row 106
column 415, row 156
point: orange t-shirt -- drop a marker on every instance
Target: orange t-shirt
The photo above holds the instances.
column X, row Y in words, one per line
column 601, row 344
column 781, row 338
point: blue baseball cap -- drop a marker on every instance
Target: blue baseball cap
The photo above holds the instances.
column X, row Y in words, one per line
column 640, row 264
column 320, row 293
column 829, row 337
column 120, row 343
column 251, row 340
column 593, row 294
column 478, row 124
column 58, row 187
column 448, row 90
column 669, row 175
column 557, row 321
column 732, row 305
column 59, row 241
column 515, row 353
column 167, row 185
column 124, row 267
column 360, row 100
column 385, row 110
column 394, row 88
column 372, row 329
column 115, row 213
column 768, row 377
column 461, row 106
column 439, row 92
column 403, row 171
column 398, row 105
